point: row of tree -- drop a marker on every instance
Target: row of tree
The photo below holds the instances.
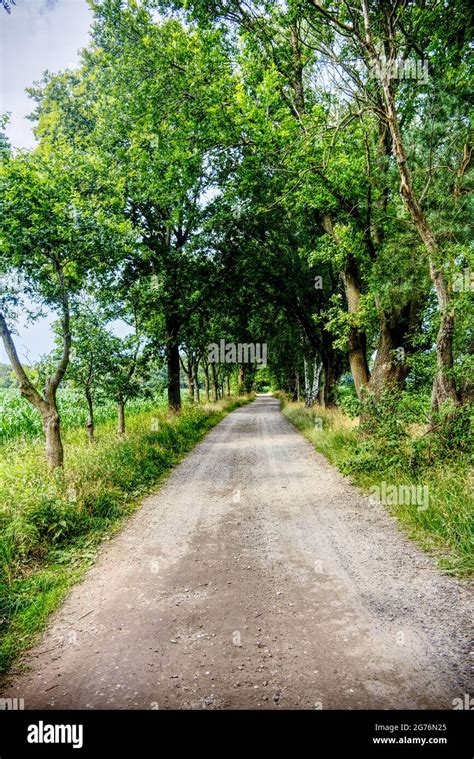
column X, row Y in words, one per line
column 255, row 172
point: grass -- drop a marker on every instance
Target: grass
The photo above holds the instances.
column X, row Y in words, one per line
column 446, row 527
column 51, row 525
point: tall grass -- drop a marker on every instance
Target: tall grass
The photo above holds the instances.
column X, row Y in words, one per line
column 51, row 524
column 446, row 527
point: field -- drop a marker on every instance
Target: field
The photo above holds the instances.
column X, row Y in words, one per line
column 18, row 418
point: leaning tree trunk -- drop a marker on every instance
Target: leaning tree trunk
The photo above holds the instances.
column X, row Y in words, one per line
column 47, row 406
column 444, row 385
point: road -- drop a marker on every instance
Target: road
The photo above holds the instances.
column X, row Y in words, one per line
column 257, row 577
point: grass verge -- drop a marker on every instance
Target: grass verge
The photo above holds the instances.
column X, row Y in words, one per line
column 442, row 523
column 51, row 525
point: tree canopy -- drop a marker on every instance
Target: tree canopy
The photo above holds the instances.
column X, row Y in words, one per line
column 297, row 174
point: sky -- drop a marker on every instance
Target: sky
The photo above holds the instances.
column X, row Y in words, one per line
column 38, row 35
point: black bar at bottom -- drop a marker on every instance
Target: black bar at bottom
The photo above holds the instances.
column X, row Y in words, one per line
column 151, row 733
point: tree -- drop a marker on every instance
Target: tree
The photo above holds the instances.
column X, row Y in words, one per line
column 52, row 237
column 151, row 99
column 381, row 35
column 89, row 355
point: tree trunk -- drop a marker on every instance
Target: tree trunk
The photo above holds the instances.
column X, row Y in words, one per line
column 228, row 385
column 308, row 400
column 90, row 419
column 241, row 381
column 52, row 432
column 357, row 338
column 190, row 380
column 197, row 397
column 388, row 372
column 316, row 376
column 390, row 368
column 120, row 415
column 172, row 354
column 206, row 381
column 330, row 384
column 214, row 383
column 45, row 406
column 444, row 385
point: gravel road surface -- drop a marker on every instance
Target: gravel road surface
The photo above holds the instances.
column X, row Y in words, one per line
column 257, row 577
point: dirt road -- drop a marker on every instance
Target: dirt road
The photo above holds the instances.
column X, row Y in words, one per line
column 257, row 577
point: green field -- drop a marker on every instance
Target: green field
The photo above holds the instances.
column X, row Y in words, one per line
column 18, row 418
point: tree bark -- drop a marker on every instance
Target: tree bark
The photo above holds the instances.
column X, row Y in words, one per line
column 46, row 406
column 357, row 344
column 396, row 329
column 388, row 372
column 52, row 432
column 206, row 381
column 241, row 380
column 197, row 397
column 308, row 400
column 172, row 354
column 298, row 85
column 328, row 395
column 316, row 377
column 357, row 337
column 190, row 381
column 214, row 383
